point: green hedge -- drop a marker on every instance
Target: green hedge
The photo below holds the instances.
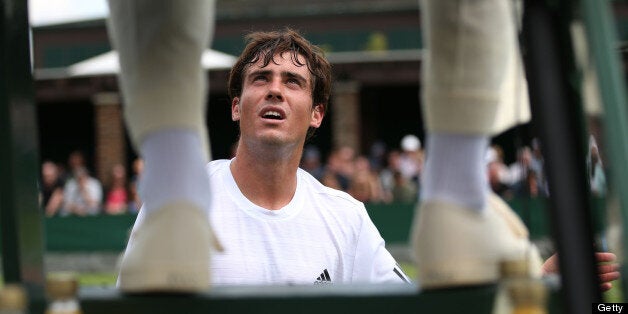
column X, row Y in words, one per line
column 95, row 233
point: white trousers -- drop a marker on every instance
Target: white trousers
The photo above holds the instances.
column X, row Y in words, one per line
column 473, row 79
column 160, row 44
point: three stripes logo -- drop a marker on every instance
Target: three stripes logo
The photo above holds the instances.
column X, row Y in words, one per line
column 323, row 279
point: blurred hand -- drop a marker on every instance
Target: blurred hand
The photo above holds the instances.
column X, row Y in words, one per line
column 608, row 269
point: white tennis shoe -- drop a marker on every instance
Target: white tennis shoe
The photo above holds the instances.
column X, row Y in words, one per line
column 169, row 252
column 457, row 246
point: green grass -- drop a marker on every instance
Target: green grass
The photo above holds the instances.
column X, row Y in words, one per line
column 615, row 295
column 97, row 279
column 89, row 279
column 409, row 270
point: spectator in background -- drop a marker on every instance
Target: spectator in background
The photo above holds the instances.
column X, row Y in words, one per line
column 377, row 156
column 330, row 180
column 346, row 169
column 117, row 200
column 403, row 190
column 76, row 160
column 51, row 188
column 82, row 194
column 532, row 188
column 135, row 202
column 518, row 172
column 331, row 177
column 597, row 178
column 387, row 175
column 364, row 185
column 311, row 162
column 339, row 168
column 411, row 159
column 537, row 164
column 497, row 171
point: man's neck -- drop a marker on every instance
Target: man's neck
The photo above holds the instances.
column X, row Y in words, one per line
column 267, row 181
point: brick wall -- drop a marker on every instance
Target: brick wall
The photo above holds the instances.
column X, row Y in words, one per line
column 346, row 117
column 110, row 134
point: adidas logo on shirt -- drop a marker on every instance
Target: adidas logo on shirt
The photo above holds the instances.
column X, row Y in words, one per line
column 323, row 279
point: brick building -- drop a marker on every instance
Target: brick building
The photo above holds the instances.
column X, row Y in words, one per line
column 374, row 47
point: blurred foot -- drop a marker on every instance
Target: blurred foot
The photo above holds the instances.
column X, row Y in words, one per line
column 168, row 251
column 458, row 246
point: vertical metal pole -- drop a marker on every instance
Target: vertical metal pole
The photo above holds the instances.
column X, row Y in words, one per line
column 20, row 216
column 602, row 39
column 557, row 111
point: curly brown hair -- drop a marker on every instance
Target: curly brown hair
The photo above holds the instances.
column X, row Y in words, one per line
column 265, row 45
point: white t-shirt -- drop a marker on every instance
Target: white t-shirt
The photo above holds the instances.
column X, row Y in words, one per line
column 322, row 236
column 72, row 196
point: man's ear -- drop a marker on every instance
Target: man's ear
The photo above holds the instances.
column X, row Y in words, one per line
column 235, row 109
column 318, row 113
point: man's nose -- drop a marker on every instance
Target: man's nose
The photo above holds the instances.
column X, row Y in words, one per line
column 274, row 90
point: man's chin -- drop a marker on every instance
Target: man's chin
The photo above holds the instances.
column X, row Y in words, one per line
column 274, row 141
column 278, row 141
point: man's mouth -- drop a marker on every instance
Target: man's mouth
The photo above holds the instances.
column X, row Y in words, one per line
column 273, row 115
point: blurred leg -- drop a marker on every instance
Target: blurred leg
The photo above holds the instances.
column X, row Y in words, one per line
column 473, row 88
column 473, row 78
column 160, row 43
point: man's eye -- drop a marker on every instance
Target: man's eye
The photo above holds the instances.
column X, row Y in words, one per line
column 260, row 78
column 294, row 81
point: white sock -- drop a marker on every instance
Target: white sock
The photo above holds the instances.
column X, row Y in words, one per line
column 174, row 170
column 455, row 170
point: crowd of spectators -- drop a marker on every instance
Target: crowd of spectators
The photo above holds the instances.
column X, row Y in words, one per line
column 382, row 176
column 71, row 189
column 393, row 176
